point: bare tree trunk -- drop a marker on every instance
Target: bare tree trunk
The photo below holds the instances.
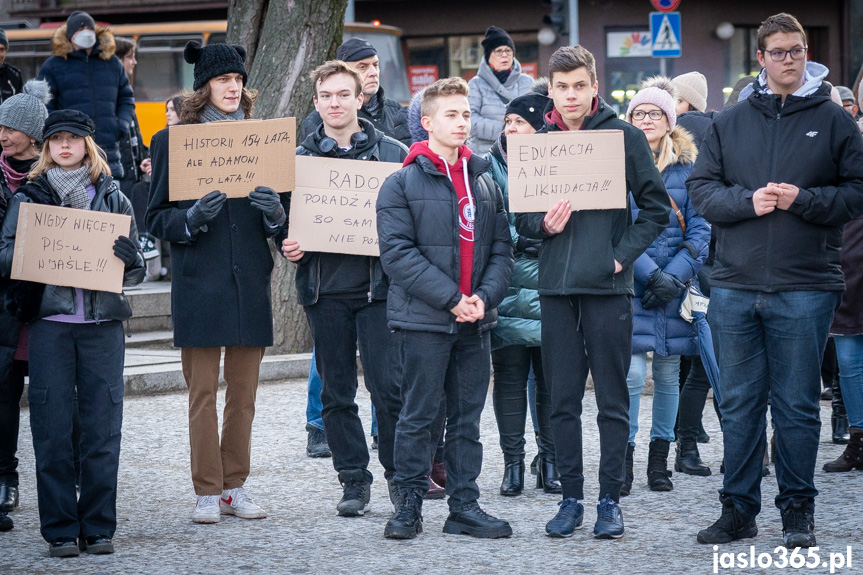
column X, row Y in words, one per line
column 285, row 40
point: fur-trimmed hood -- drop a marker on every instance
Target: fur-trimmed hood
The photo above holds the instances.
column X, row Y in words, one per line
column 684, row 145
column 62, row 46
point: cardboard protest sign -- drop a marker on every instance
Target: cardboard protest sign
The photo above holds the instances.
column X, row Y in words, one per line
column 333, row 205
column 69, row 247
column 232, row 157
column 587, row 168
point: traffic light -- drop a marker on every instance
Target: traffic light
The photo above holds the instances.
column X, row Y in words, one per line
column 556, row 18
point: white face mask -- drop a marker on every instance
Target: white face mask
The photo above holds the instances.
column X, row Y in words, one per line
column 85, row 39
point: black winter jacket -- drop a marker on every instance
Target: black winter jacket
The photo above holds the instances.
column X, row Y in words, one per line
column 391, row 119
column 378, row 148
column 220, row 278
column 418, row 230
column 10, row 327
column 95, row 84
column 98, row 305
column 580, row 259
column 11, row 82
column 808, row 142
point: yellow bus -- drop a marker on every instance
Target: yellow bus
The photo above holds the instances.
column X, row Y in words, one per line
column 162, row 72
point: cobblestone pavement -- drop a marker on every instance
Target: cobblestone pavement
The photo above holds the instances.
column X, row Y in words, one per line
column 303, row 534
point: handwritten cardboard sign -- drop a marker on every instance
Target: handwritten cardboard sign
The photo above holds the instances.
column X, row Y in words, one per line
column 333, row 206
column 232, row 157
column 69, row 247
column 587, row 168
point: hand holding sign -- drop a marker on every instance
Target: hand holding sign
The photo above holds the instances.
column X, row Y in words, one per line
column 557, row 217
column 126, row 250
column 205, row 210
column 291, row 250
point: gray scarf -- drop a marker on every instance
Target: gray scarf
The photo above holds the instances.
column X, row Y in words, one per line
column 71, row 186
column 212, row 114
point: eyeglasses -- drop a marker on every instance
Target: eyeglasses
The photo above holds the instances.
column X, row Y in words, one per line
column 779, row 55
column 654, row 115
column 502, row 52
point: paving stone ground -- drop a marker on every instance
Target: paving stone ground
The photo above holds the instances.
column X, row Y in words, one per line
column 303, row 534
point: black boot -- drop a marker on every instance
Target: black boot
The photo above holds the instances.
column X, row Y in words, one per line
column 471, row 520
column 852, row 457
column 513, row 477
column 688, row 460
column 407, row 521
column 5, row 522
column 839, row 421
column 657, row 466
column 546, row 475
column 730, row 526
column 626, row 488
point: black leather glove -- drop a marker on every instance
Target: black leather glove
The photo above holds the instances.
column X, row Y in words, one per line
column 126, row 250
column 528, row 246
column 661, row 289
column 205, row 210
column 267, row 200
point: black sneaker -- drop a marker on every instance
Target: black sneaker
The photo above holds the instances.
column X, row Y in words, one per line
column 63, row 547
column 472, row 520
column 798, row 524
column 316, row 445
column 355, row 500
column 407, row 521
column 569, row 518
column 730, row 526
column 609, row 519
column 96, row 545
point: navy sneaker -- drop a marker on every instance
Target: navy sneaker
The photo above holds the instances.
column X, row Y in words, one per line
column 569, row 518
column 609, row 519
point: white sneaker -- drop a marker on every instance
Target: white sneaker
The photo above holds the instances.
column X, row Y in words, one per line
column 237, row 502
column 207, row 509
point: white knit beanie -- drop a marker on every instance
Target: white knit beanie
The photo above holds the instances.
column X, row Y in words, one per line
column 692, row 87
column 658, row 97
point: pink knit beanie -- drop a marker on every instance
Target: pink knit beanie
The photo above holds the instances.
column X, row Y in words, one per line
column 658, row 97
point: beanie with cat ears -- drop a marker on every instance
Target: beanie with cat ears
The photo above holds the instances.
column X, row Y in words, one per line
column 215, row 60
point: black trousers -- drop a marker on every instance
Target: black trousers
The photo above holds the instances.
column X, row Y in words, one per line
column 582, row 333
column 11, row 388
column 338, row 327
column 65, row 357
column 511, row 367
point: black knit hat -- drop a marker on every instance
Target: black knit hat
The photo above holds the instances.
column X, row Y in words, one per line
column 71, row 121
column 531, row 107
column 3, row 39
column 355, row 49
column 495, row 37
column 215, row 60
column 76, row 21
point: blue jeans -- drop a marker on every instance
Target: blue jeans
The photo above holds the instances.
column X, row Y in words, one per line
column 313, row 403
column 436, row 366
column 849, row 352
column 666, row 394
column 770, row 343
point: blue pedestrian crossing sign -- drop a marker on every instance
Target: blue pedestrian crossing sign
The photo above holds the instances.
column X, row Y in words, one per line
column 665, row 33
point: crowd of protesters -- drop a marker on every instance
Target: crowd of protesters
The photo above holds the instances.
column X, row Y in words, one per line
column 757, row 206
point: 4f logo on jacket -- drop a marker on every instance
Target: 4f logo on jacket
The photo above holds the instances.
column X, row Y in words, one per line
column 812, row 134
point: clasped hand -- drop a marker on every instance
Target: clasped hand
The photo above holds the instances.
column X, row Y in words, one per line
column 469, row 309
column 773, row 196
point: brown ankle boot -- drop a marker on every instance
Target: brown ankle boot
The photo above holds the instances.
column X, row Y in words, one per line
column 852, row 457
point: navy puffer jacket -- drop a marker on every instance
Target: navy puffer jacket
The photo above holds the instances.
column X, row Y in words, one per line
column 95, row 84
column 661, row 329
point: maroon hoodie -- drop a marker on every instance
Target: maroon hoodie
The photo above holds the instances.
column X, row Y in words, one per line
column 459, row 177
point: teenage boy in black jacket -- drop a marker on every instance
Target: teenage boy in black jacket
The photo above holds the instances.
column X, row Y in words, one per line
column 344, row 297
column 585, row 290
column 445, row 244
column 778, row 175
